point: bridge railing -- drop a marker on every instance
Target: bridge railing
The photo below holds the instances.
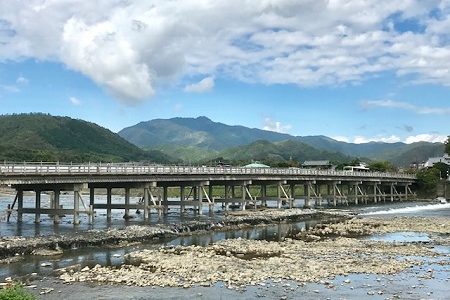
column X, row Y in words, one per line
column 142, row 169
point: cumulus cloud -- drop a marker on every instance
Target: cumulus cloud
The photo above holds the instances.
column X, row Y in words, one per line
column 130, row 47
column 432, row 138
column 75, row 101
column 204, row 85
column 382, row 139
column 424, row 110
column 276, row 126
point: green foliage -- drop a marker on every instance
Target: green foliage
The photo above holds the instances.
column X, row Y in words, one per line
column 15, row 292
column 382, row 166
column 444, row 169
column 41, row 137
column 427, row 181
column 288, row 153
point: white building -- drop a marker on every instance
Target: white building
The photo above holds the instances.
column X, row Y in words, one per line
column 434, row 160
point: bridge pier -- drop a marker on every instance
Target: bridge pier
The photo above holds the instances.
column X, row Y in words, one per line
column 19, row 205
column 91, row 205
column 37, row 215
column 126, row 215
column 108, row 203
column 292, row 195
column 55, row 206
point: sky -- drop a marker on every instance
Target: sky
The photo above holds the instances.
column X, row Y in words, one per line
column 353, row 70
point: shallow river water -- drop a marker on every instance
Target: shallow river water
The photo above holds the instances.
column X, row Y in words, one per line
column 405, row 285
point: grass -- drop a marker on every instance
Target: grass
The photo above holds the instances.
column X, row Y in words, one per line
column 15, row 292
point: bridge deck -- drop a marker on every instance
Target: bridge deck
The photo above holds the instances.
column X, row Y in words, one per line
column 43, row 172
column 153, row 181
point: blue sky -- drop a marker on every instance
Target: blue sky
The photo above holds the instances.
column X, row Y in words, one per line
column 364, row 72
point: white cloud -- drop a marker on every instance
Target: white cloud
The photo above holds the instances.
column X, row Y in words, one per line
column 204, row 85
column 432, row 138
column 22, row 80
column 424, row 110
column 75, row 101
column 276, row 126
column 130, row 47
column 382, row 139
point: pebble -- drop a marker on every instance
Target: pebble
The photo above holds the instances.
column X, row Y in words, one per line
column 46, row 264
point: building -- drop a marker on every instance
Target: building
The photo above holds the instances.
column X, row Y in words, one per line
column 318, row 164
column 362, row 167
column 445, row 159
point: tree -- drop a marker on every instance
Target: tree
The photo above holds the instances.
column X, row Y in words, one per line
column 382, row 166
column 427, row 181
column 444, row 169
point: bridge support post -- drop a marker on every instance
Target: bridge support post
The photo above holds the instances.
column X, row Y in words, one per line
column 233, row 194
column 91, row 204
column 76, row 204
column 279, row 195
column 182, row 206
column 334, row 194
column 126, row 215
column 55, row 206
column 264, row 195
column 200, row 199
column 37, row 216
column 225, row 204
column 243, row 197
column 211, row 198
column 307, row 193
column 146, row 204
column 19, row 205
column 392, row 192
column 375, row 193
column 165, row 203
column 108, row 203
column 406, row 192
column 318, row 195
column 355, row 187
column 292, row 195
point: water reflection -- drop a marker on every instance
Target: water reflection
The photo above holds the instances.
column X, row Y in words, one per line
column 91, row 256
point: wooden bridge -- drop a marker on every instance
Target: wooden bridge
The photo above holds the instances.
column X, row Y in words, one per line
column 194, row 187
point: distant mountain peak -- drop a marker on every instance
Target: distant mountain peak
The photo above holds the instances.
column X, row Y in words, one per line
column 207, row 135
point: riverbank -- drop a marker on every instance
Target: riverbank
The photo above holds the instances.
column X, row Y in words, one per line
column 13, row 248
column 243, row 262
column 350, row 258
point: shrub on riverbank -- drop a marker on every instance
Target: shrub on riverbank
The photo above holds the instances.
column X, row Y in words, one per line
column 15, row 292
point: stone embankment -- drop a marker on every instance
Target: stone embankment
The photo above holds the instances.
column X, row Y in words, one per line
column 53, row 245
column 249, row 262
column 48, row 245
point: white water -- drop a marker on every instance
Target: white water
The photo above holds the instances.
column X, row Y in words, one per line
column 411, row 209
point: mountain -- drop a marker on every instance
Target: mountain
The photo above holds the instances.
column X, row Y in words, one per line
column 41, row 137
column 279, row 152
column 400, row 154
column 200, row 132
column 195, row 139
